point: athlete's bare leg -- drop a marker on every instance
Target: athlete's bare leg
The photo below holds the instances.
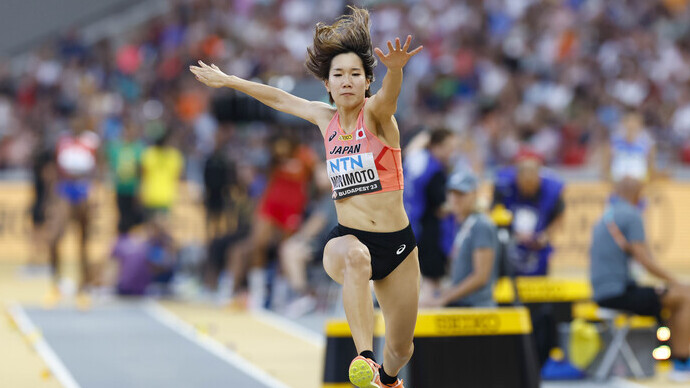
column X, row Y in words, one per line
column 348, row 262
column 294, row 257
column 237, row 263
column 58, row 218
column 262, row 233
column 398, row 296
column 81, row 214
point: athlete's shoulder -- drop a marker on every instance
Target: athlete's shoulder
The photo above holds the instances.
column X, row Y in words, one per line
column 323, row 111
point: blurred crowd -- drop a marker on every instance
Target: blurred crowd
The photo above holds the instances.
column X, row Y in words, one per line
column 554, row 74
column 560, row 78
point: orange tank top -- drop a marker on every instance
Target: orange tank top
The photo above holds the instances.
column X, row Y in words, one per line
column 359, row 163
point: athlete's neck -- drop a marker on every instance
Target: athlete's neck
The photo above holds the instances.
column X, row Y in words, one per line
column 347, row 116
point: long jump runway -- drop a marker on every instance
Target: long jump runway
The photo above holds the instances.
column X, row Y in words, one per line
column 144, row 345
column 132, row 345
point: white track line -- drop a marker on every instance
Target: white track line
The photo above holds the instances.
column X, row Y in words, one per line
column 184, row 329
column 622, row 383
column 27, row 327
column 289, row 327
column 615, row 382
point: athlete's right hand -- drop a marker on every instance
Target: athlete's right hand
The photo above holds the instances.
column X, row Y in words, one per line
column 209, row 75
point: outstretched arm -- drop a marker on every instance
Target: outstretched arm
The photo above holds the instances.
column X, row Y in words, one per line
column 385, row 102
column 312, row 111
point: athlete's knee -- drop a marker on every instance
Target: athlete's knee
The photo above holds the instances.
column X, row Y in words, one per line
column 400, row 350
column 358, row 259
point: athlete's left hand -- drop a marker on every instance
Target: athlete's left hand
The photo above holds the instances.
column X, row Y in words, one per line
column 397, row 57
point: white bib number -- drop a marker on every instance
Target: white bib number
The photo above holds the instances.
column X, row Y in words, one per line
column 353, row 174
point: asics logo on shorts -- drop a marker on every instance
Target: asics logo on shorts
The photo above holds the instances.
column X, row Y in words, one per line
column 401, row 249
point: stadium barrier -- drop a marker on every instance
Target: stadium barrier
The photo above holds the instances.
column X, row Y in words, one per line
column 186, row 223
column 550, row 302
column 452, row 343
column 667, row 213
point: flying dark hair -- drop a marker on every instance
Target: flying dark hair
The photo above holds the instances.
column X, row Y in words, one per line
column 349, row 34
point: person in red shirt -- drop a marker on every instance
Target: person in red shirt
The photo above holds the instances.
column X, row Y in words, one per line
column 281, row 207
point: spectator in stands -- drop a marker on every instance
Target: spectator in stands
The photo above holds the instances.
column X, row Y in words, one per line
column 535, row 197
column 473, row 257
column 44, row 177
column 306, row 245
column 618, row 238
column 424, row 196
column 631, row 151
column 162, row 166
column 231, row 252
column 124, row 157
column 219, row 178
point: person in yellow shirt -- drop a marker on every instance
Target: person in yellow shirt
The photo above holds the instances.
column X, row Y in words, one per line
column 161, row 166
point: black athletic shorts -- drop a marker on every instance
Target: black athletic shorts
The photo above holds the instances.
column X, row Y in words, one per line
column 387, row 250
column 637, row 300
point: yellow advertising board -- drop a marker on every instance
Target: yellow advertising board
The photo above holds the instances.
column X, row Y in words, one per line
column 667, row 219
column 666, row 214
column 186, row 223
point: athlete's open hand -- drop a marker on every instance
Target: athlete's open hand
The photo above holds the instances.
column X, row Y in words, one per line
column 397, row 57
column 209, row 75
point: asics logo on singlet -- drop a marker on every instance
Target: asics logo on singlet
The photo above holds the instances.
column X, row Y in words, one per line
column 332, row 136
column 401, row 249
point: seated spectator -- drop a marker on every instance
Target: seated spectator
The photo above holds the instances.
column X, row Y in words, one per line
column 143, row 254
column 473, row 269
column 616, row 239
column 130, row 269
column 162, row 252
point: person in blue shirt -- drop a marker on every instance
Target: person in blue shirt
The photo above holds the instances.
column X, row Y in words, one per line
column 617, row 239
column 423, row 197
column 473, row 256
column 534, row 195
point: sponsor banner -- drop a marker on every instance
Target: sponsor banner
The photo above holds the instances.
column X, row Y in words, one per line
column 666, row 217
column 352, row 175
column 458, row 322
column 540, row 289
column 186, row 222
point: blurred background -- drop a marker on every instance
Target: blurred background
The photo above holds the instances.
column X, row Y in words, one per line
column 125, row 183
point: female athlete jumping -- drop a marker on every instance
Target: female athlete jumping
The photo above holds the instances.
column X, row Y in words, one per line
column 373, row 239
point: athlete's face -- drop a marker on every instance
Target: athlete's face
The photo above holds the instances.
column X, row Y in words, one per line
column 347, row 82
